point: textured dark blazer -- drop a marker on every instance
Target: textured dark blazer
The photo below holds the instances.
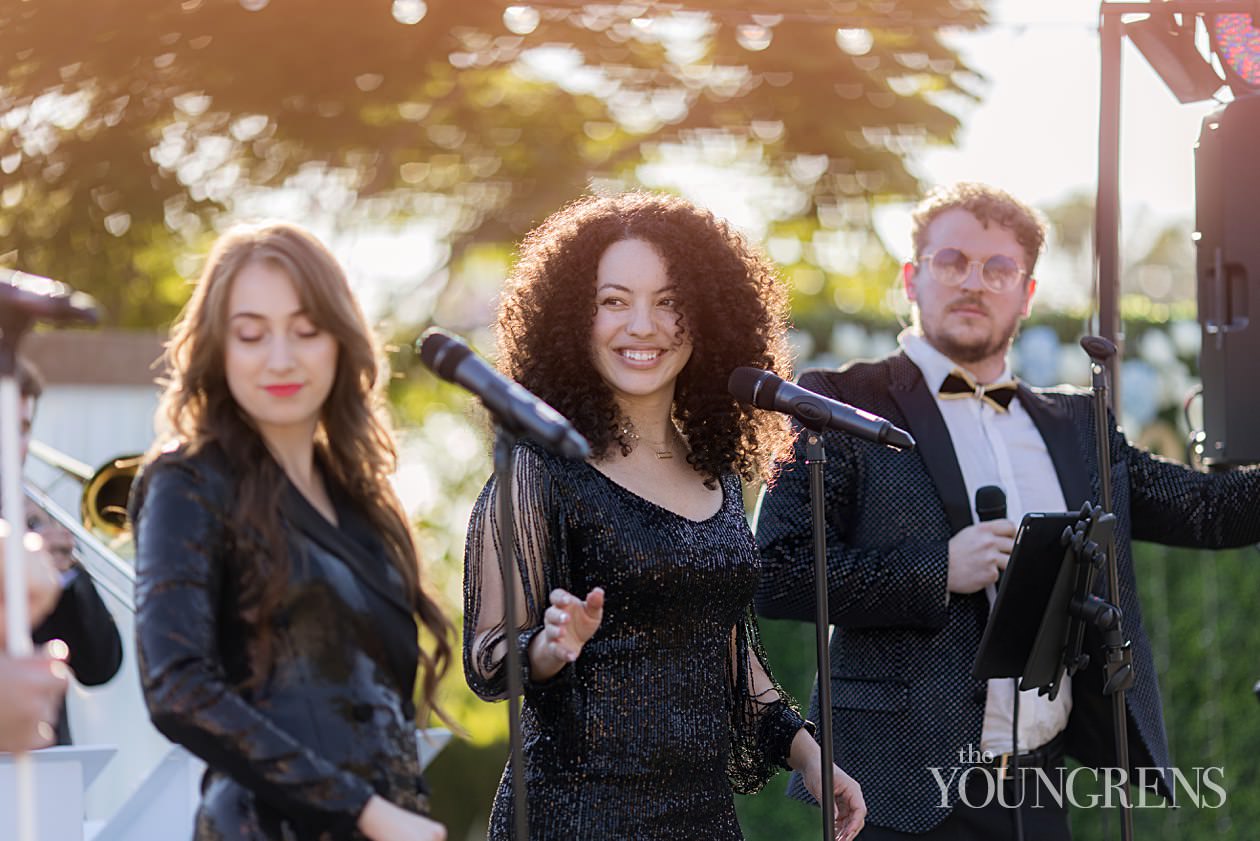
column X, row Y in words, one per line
column 903, row 696
column 298, row 753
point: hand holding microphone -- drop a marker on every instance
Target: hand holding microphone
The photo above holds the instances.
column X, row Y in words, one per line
column 979, row 553
column 31, row 689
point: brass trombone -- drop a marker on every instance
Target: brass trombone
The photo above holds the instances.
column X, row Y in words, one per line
column 103, row 502
column 103, row 505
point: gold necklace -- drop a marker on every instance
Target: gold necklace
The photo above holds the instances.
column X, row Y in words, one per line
column 663, row 450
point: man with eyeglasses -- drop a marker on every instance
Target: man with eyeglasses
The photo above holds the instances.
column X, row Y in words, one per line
column 912, row 567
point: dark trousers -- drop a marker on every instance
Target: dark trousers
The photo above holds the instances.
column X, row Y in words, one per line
column 982, row 816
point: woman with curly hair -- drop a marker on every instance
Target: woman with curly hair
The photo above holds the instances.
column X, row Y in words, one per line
column 278, row 591
column 647, row 699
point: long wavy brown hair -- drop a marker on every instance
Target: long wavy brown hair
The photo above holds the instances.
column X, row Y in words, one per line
column 733, row 305
column 353, row 441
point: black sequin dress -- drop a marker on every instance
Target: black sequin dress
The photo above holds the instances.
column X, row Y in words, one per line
column 670, row 708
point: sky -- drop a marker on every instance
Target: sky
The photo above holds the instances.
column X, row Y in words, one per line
column 1035, row 130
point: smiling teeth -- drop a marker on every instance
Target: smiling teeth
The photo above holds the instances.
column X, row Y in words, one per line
column 641, row 355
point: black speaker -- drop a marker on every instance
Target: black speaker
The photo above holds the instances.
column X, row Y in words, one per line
column 1227, row 218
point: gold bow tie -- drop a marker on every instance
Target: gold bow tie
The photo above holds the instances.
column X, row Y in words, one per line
column 960, row 384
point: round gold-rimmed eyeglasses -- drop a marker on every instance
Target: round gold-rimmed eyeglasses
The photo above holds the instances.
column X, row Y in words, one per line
column 950, row 267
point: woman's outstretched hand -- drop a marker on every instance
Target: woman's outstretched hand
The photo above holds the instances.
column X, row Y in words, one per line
column 567, row 625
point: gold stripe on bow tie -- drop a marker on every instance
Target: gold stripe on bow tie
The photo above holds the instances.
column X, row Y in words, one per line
column 959, row 384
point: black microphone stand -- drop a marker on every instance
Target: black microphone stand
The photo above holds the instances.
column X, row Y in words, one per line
column 1118, row 673
column 815, row 458
column 517, row 414
column 504, row 460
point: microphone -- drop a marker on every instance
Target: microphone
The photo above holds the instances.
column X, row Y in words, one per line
column 767, row 391
column 515, row 408
column 990, row 503
column 42, row 299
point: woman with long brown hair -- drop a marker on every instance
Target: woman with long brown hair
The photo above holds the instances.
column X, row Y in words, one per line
column 278, row 592
column 648, row 702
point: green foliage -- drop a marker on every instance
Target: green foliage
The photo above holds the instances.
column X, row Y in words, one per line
column 1199, row 608
column 463, row 779
column 445, row 461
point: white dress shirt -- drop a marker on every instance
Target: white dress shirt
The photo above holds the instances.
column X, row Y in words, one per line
column 1003, row 449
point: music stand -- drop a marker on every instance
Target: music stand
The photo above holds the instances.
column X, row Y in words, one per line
column 1038, row 563
column 1037, row 626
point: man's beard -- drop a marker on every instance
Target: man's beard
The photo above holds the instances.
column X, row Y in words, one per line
column 971, row 352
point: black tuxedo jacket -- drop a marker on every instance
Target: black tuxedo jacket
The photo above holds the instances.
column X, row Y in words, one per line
column 903, row 696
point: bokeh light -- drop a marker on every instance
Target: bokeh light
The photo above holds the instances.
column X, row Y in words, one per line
column 854, row 41
column 521, row 20
column 409, row 12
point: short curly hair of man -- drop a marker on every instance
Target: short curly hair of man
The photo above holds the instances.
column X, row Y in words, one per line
column 989, row 205
column 733, row 306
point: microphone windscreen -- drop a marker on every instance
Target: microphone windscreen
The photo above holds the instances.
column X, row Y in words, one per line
column 754, row 386
column 441, row 352
column 990, row 503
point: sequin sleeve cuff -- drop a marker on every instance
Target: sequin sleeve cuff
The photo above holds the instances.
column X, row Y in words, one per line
column 523, row 640
column 779, row 726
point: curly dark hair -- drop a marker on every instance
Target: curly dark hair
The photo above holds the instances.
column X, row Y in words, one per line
column 989, row 205
column 733, row 306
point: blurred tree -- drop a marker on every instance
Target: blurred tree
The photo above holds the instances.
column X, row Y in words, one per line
column 1158, row 258
column 1163, row 270
column 127, row 125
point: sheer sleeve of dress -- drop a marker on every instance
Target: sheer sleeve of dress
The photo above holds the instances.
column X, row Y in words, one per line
column 539, row 568
column 764, row 718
